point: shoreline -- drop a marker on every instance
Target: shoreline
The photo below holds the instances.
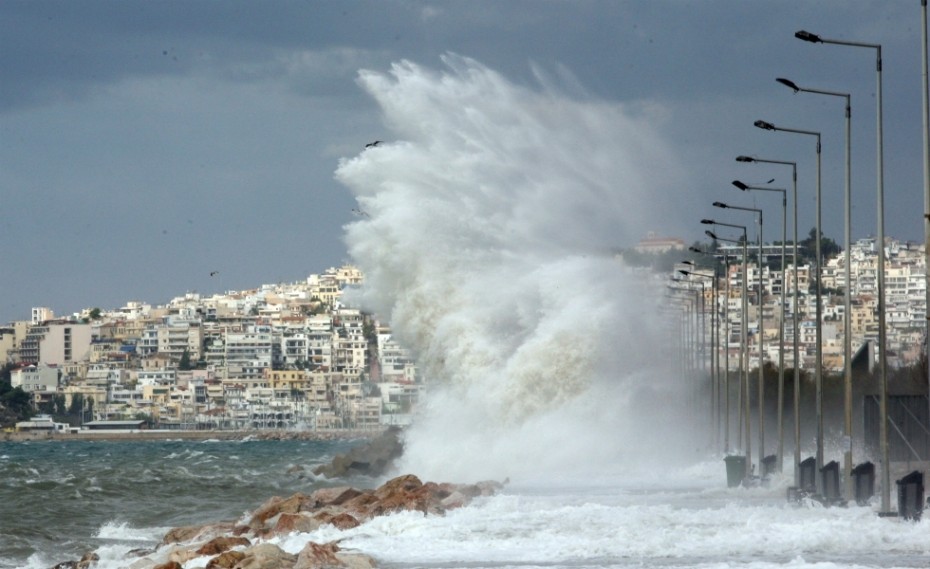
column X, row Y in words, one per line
column 224, row 435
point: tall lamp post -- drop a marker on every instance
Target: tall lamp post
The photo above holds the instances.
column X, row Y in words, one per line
column 781, row 328
column 744, row 356
column 714, row 340
column 723, row 387
column 818, row 359
column 797, row 304
column 926, row 129
column 761, row 295
column 882, row 365
column 847, row 327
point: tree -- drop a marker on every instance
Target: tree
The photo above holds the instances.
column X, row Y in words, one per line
column 185, row 363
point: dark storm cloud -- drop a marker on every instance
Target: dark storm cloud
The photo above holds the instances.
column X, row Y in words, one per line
column 159, row 134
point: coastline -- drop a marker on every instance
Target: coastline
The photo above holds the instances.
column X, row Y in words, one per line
column 223, row 435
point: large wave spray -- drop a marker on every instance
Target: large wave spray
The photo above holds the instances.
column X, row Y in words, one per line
column 486, row 245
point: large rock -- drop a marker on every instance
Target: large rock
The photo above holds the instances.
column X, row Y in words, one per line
column 226, row 560
column 222, row 543
column 189, row 533
column 373, row 458
column 266, row 556
column 324, row 556
column 277, row 505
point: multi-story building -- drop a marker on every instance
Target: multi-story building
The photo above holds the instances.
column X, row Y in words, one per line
column 58, row 342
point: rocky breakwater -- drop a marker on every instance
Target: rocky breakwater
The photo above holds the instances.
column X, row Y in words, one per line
column 245, row 544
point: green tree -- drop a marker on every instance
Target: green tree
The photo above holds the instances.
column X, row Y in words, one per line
column 185, row 363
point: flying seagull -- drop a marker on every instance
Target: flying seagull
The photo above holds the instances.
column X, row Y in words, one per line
column 359, row 212
column 214, row 273
column 373, row 144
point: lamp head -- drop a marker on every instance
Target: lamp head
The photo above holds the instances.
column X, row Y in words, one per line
column 788, row 83
column 687, row 262
column 694, row 249
column 807, row 36
column 684, row 272
column 720, row 205
column 740, row 185
column 708, row 222
column 764, row 125
column 745, row 159
column 710, row 234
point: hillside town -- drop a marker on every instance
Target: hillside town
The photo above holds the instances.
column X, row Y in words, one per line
column 279, row 356
column 905, row 300
column 289, row 356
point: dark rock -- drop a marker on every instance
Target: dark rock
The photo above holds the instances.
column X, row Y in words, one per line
column 226, row 560
column 373, row 458
column 222, row 543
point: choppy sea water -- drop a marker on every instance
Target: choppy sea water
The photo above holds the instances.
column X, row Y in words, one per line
column 61, row 499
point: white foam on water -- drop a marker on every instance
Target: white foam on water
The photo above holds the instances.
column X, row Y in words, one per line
column 122, row 531
column 607, row 527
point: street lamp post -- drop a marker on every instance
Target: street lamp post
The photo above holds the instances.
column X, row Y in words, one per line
column 714, row 339
column 781, row 329
column 744, row 356
column 847, row 327
column 724, row 387
column 818, row 359
column 761, row 295
column 702, row 324
column 882, row 365
column 926, row 160
column 796, row 332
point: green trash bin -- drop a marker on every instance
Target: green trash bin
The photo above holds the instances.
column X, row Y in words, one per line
column 736, row 469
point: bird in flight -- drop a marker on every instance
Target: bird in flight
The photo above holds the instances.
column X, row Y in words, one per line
column 214, row 273
column 359, row 212
column 373, row 144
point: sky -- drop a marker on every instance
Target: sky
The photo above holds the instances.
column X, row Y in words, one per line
column 149, row 149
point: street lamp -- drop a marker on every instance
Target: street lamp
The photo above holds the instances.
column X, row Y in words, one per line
column 797, row 303
column 926, row 129
column 847, row 327
column 713, row 344
column 761, row 295
column 726, row 326
column 703, row 324
column 744, row 356
column 781, row 329
column 882, row 365
column 818, row 360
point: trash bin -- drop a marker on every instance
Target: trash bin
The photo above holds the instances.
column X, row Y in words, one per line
column 864, row 482
column 736, row 469
column 806, row 475
column 911, row 496
column 768, row 465
column 830, row 477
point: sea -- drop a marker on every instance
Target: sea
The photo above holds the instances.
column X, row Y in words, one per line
column 61, row 499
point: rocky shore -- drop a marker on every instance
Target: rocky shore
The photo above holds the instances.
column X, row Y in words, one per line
column 243, row 544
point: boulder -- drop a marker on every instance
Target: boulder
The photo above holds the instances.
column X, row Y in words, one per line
column 189, row 533
column 334, row 496
column 226, row 560
column 169, row 565
column 278, row 505
column 266, row 556
column 222, row 543
column 290, row 523
column 322, row 556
